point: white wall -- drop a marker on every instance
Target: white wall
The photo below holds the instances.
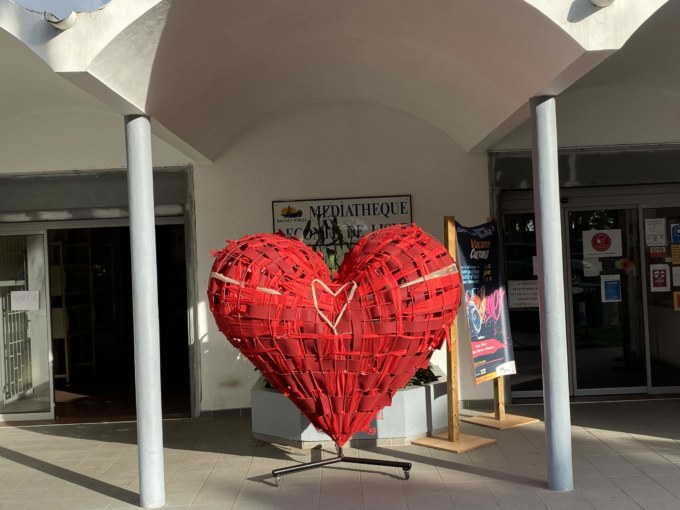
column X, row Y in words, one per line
column 324, row 151
column 71, row 140
column 609, row 116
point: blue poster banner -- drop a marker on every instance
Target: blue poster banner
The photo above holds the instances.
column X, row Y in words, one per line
column 486, row 304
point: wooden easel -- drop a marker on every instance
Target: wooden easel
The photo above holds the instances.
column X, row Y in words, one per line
column 499, row 419
column 454, row 440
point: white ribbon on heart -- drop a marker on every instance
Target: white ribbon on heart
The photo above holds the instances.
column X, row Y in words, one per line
column 452, row 269
column 350, row 295
column 226, row 279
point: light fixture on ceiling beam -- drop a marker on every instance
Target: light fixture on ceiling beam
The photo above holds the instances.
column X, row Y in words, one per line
column 602, row 3
column 61, row 23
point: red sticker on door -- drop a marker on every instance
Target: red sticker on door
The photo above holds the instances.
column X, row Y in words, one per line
column 601, row 242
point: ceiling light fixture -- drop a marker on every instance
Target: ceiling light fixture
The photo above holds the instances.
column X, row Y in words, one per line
column 602, row 3
column 61, row 23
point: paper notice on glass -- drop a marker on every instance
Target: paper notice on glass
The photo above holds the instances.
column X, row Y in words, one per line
column 655, row 232
column 24, row 300
column 602, row 243
column 657, row 252
column 610, row 288
column 522, row 293
column 675, row 254
column 591, row 267
column 675, row 233
column 659, row 277
column 676, row 276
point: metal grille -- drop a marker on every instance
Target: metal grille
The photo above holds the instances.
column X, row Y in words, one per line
column 16, row 345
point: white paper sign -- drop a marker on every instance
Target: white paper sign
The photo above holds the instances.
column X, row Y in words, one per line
column 676, row 276
column 602, row 243
column 592, row 267
column 523, row 293
column 655, row 232
column 24, row 300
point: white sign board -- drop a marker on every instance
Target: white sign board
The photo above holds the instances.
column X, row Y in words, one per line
column 24, row 300
column 523, row 293
column 602, row 243
column 655, row 232
column 356, row 216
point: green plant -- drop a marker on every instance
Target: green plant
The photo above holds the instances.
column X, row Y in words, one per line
column 325, row 235
column 422, row 377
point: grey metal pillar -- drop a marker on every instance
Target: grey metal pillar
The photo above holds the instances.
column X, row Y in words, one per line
column 551, row 295
column 145, row 312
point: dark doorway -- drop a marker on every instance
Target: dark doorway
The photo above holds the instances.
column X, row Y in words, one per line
column 92, row 329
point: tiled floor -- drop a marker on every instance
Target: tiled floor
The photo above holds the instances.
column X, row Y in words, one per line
column 626, row 455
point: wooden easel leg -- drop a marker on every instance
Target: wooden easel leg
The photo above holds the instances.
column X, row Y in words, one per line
column 499, row 420
column 499, row 398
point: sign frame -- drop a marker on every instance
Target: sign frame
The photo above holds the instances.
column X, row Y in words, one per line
column 375, row 212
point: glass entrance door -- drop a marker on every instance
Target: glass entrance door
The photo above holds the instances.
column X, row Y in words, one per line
column 25, row 375
column 662, row 269
column 607, row 323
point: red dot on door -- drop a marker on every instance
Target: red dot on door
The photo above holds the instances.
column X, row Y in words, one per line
column 601, row 242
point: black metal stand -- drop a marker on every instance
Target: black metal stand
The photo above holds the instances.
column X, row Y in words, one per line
column 406, row 466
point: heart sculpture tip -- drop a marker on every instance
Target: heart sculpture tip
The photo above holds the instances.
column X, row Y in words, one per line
column 338, row 347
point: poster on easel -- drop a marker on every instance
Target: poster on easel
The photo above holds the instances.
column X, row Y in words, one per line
column 486, row 304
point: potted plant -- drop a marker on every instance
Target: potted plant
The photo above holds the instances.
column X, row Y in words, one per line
column 417, row 410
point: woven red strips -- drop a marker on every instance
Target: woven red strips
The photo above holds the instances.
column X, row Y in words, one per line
column 339, row 349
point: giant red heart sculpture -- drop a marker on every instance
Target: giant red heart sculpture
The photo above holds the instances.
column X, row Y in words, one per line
column 338, row 348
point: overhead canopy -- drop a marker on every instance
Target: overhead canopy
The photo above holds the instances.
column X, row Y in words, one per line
column 205, row 71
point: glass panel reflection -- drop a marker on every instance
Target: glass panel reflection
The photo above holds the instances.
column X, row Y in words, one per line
column 606, row 299
column 24, row 361
column 519, row 246
column 662, row 251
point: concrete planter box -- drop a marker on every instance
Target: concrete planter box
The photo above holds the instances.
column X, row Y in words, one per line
column 416, row 411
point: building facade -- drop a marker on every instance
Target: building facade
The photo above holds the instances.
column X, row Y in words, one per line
column 250, row 105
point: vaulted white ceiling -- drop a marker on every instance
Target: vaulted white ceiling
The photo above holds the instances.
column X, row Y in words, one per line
column 207, row 70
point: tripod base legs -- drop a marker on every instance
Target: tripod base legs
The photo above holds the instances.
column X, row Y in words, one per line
column 277, row 473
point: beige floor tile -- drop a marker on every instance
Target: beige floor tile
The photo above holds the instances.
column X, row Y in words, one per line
column 208, row 468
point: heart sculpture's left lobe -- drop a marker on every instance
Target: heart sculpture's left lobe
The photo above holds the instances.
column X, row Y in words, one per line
column 338, row 348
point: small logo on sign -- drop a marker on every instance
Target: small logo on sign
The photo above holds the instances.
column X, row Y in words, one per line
column 601, row 242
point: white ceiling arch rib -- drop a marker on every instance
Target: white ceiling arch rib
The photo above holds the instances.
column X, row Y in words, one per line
column 207, row 70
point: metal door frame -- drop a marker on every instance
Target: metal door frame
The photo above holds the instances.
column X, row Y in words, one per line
column 40, row 415
column 187, row 220
column 604, row 197
column 583, row 205
column 662, row 202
